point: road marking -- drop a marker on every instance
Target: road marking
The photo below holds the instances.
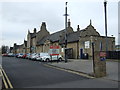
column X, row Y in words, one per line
column 5, row 76
column 5, row 83
column 63, row 69
column 0, row 73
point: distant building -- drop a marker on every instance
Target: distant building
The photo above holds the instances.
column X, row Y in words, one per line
column 117, row 47
column 77, row 41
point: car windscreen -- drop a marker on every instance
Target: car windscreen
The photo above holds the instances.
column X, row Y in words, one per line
column 44, row 54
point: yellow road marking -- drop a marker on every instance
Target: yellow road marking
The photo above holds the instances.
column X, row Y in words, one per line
column 0, row 73
column 78, row 73
column 5, row 83
column 7, row 79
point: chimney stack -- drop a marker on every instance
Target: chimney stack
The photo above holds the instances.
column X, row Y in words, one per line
column 35, row 30
column 15, row 44
column 43, row 26
column 69, row 23
column 78, row 28
column 90, row 22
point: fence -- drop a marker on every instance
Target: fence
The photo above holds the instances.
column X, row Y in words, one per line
column 113, row 55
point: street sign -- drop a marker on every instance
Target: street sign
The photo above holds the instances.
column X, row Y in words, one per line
column 54, row 47
column 54, row 50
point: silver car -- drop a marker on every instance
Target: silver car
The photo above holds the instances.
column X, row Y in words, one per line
column 52, row 58
column 40, row 55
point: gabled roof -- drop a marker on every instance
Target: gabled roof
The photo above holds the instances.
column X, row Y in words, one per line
column 25, row 42
column 33, row 35
column 52, row 37
column 17, row 46
column 56, row 36
column 71, row 37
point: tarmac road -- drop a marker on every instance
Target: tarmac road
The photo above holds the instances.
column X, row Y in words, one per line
column 25, row 73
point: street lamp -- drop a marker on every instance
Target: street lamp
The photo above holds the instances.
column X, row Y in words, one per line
column 118, row 38
column 105, row 4
column 65, row 30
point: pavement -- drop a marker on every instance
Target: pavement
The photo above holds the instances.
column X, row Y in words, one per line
column 86, row 67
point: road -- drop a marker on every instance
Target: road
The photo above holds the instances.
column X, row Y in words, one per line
column 25, row 73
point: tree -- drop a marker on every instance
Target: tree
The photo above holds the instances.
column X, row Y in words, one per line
column 4, row 49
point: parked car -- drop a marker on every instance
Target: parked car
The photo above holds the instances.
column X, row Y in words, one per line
column 28, row 55
column 52, row 58
column 41, row 55
column 16, row 55
column 10, row 55
column 34, row 56
column 20, row 55
column 5, row 54
column 24, row 56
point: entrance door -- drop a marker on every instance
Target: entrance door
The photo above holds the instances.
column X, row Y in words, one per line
column 69, row 53
column 81, row 53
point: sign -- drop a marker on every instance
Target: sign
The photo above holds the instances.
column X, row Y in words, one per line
column 54, row 50
column 62, row 50
column 103, row 56
column 87, row 44
column 54, row 47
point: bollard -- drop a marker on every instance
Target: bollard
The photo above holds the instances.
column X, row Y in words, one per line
column 99, row 64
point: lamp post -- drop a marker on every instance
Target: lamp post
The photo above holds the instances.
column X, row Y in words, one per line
column 105, row 9
column 118, row 38
column 65, row 30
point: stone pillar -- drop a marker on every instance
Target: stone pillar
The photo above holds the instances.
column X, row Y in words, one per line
column 99, row 65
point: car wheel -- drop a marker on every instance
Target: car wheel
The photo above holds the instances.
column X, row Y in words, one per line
column 60, row 59
column 47, row 60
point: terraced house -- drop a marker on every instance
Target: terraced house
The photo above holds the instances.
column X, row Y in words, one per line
column 78, row 41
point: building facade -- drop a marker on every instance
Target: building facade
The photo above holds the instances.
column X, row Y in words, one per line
column 78, row 42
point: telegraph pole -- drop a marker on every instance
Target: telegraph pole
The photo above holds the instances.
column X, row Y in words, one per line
column 65, row 30
column 105, row 9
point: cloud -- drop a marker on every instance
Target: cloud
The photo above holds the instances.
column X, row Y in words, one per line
column 18, row 17
column 119, row 23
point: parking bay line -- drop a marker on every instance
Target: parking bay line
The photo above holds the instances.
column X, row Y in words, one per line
column 70, row 71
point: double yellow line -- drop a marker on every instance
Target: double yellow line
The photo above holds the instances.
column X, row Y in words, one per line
column 5, row 79
column 70, row 71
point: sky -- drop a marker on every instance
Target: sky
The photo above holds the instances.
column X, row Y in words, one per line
column 16, row 17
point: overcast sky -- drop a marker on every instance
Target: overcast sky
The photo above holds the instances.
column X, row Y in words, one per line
column 17, row 17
